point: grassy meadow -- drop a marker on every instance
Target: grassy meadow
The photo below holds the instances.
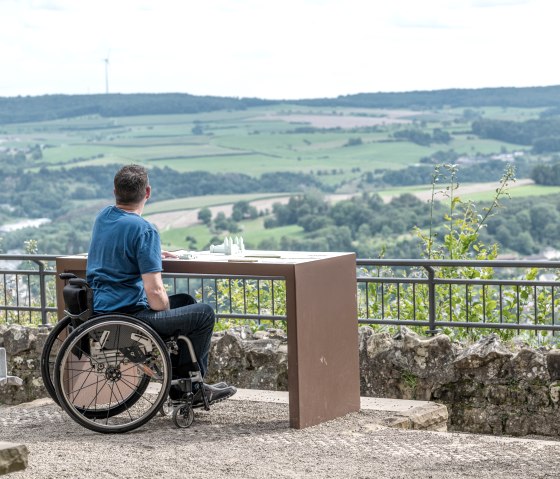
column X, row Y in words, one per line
column 197, row 202
column 261, row 140
column 254, row 141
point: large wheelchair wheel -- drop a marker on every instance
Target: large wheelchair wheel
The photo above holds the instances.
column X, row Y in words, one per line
column 112, row 374
column 53, row 344
column 51, row 348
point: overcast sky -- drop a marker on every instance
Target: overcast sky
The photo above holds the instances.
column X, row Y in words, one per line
column 275, row 48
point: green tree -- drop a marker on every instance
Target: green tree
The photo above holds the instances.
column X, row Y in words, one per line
column 205, row 215
column 541, row 216
column 243, row 210
column 197, row 129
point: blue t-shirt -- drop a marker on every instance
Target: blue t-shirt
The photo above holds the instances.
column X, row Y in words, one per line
column 123, row 247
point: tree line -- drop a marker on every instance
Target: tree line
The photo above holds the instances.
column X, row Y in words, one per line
column 365, row 224
column 51, row 107
column 529, row 97
column 423, row 138
column 47, row 191
column 370, row 227
column 542, row 134
column 481, row 169
column 547, row 173
column 71, row 197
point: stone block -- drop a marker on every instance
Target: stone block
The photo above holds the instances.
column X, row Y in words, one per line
column 529, row 364
column 18, row 339
column 429, row 417
column 4, row 378
column 553, row 364
column 397, row 422
column 484, row 360
column 13, row 457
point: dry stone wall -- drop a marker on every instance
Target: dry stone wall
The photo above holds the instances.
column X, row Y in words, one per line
column 488, row 387
column 23, row 349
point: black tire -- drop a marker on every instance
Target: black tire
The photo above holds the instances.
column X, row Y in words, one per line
column 183, row 416
column 54, row 341
column 112, row 374
column 53, row 344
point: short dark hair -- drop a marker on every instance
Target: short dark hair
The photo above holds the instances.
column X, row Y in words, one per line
column 130, row 183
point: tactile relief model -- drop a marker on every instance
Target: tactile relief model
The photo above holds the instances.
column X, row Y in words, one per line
column 229, row 246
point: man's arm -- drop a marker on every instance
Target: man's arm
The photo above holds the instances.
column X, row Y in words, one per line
column 155, row 291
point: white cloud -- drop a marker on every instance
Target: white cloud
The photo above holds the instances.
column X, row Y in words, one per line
column 274, row 49
column 499, row 3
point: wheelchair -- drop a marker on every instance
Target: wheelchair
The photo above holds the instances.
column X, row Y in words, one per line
column 111, row 372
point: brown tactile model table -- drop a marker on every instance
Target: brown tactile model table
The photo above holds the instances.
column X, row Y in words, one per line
column 323, row 375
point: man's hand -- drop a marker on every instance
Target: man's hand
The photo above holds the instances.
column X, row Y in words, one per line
column 168, row 254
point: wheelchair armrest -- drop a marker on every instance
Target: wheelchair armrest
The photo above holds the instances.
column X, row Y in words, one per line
column 65, row 276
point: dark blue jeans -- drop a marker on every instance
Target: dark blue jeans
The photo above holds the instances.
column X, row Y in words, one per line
column 188, row 318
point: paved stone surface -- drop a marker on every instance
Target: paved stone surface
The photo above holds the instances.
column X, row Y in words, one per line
column 250, row 439
column 400, row 413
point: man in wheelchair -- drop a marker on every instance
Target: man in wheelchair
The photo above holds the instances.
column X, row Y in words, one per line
column 124, row 271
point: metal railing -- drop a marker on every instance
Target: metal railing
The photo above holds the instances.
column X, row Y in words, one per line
column 27, row 288
column 252, row 298
column 436, row 294
column 28, row 292
column 431, row 294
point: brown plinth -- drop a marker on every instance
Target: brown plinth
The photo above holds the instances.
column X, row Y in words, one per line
column 323, row 374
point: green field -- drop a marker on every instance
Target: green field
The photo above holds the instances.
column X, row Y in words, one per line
column 313, row 140
column 195, row 202
column 516, row 192
column 253, row 233
column 257, row 140
column 174, row 239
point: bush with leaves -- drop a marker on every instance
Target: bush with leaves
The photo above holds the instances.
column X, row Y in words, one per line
column 459, row 238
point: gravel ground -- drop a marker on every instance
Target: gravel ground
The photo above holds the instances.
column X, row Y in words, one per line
column 248, row 439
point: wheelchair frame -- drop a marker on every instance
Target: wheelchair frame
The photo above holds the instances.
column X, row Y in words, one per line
column 112, row 372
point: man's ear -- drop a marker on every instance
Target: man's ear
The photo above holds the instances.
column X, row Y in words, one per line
column 148, row 191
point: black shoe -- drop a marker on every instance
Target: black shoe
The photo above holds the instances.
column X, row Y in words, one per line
column 220, row 385
column 176, row 394
column 213, row 393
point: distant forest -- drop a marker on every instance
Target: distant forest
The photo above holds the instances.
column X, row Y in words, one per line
column 37, row 193
column 55, row 107
column 52, row 107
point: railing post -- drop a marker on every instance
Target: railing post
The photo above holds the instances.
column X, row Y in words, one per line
column 431, row 300
column 42, row 291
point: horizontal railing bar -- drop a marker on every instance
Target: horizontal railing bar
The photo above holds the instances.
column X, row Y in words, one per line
column 394, row 322
column 30, row 272
column 385, row 280
column 462, row 324
column 221, row 276
column 496, row 282
column 29, row 257
column 435, row 263
column 373, row 262
column 251, row 316
column 49, row 309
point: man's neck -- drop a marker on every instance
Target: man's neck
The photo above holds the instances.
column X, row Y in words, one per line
column 137, row 209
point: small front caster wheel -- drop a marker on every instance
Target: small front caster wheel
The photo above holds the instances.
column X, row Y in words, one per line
column 183, row 416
